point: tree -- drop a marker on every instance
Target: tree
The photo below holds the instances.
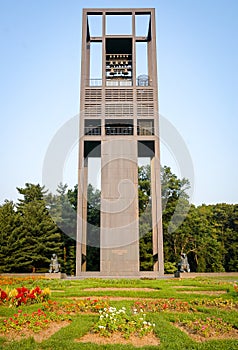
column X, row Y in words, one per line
column 73, row 197
column 202, row 240
column 224, row 218
column 93, row 229
column 63, row 211
column 145, row 218
column 175, row 206
column 37, row 237
column 8, row 223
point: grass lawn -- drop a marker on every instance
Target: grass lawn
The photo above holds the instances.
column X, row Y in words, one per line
column 192, row 313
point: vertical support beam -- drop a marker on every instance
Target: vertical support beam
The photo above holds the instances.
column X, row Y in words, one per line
column 103, row 72
column 159, row 227
column 103, row 49
column 134, row 73
column 84, row 224
column 157, row 232
column 154, row 214
column 133, row 50
column 84, row 77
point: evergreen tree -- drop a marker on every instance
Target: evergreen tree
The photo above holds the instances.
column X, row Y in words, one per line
column 8, row 224
column 73, row 197
column 64, row 215
column 36, row 237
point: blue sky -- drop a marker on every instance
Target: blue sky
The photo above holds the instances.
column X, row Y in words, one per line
column 198, row 85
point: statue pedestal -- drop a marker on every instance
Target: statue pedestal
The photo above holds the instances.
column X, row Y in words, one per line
column 57, row 275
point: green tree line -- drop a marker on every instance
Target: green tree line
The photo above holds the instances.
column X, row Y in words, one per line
column 40, row 224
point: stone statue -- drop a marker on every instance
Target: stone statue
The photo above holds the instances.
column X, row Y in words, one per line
column 54, row 264
column 183, row 265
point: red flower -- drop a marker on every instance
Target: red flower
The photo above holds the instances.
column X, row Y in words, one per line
column 3, row 295
column 19, row 295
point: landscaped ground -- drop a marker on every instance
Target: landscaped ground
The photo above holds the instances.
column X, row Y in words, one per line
column 196, row 313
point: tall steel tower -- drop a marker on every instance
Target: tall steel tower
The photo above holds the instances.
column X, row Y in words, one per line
column 119, row 123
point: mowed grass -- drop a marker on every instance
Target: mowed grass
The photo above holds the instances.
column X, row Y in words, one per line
column 125, row 292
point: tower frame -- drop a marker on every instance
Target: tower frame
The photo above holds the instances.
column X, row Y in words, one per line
column 119, row 122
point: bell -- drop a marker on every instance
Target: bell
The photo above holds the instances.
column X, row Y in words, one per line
column 125, row 71
column 112, row 71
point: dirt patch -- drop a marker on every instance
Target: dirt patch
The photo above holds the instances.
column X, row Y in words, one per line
column 39, row 336
column 108, row 298
column 111, row 289
column 233, row 334
column 117, row 338
column 205, row 292
column 185, row 287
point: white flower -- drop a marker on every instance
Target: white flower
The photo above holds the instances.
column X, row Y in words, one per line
column 153, row 324
column 101, row 327
column 144, row 322
column 122, row 311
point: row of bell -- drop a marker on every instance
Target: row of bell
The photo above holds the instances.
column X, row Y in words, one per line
column 118, row 62
column 122, row 71
column 119, row 56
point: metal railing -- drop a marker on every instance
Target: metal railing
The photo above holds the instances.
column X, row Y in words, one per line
column 90, row 130
column 94, row 82
column 119, row 130
column 145, row 131
column 118, row 82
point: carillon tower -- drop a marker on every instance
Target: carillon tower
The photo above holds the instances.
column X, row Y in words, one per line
column 119, row 124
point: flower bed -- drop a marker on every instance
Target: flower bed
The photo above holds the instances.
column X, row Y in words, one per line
column 123, row 321
column 211, row 327
column 22, row 295
column 25, row 325
column 77, row 306
column 217, row 302
column 7, row 281
column 35, row 321
column 164, row 305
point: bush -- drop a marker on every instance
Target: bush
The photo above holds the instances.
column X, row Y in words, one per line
column 170, row 267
